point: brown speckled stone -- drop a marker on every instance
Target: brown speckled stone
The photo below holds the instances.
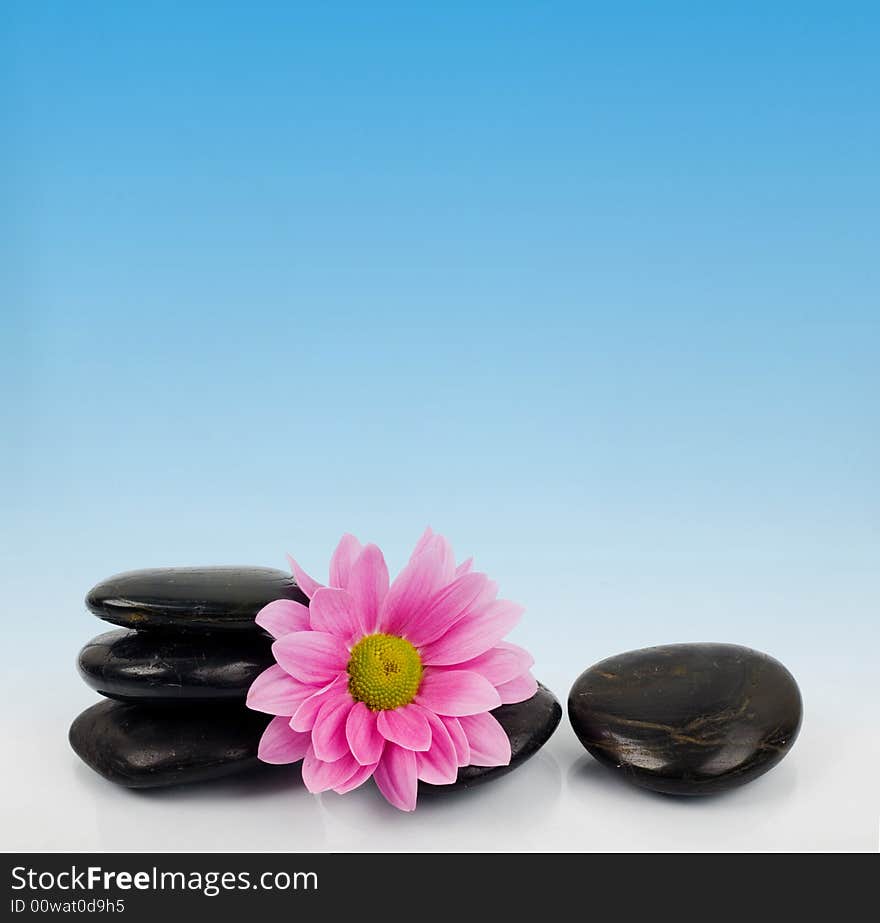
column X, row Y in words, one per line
column 687, row 719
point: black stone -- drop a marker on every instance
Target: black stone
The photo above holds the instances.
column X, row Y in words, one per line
column 687, row 719
column 144, row 746
column 529, row 725
column 158, row 668
column 191, row 598
column 140, row 746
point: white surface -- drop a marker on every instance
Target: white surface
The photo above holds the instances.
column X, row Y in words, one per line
column 823, row 796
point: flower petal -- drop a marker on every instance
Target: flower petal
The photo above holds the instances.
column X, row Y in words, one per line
column 306, row 583
column 500, row 664
column 358, row 777
column 282, row 617
column 422, row 543
column 340, row 564
column 426, row 573
column 364, row 739
column 459, row 738
column 526, row 660
column 276, row 692
column 518, row 690
column 397, row 777
column 304, row 717
column 328, row 733
column 439, row 764
column 281, row 744
column 320, row 776
column 464, row 567
column 311, row 656
column 473, row 635
column 439, row 546
column 407, row 727
column 456, row 693
column 335, row 612
column 368, row 584
column 446, row 607
column 490, row 745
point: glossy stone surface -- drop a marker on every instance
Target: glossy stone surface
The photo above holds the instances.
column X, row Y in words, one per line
column 156, row 668
column 140, row 746
column 529, row 725
column 191, row 598
column 687, row 719
column 143, row 746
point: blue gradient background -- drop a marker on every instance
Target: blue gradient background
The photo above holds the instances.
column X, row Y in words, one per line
column 591, row 290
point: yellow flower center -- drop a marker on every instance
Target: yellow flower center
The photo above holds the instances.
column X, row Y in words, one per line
column 384, row 672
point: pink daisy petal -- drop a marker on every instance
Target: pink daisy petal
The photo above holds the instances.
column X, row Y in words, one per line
column 368, row 584
column 397, row 777
column 276, row 692
column 414, row 586
column 364, row 739
column 321, row 776
column 340, row 564
column 328, row 733
column 407, row 727
column 456, row 693
column 525, row 659
column 306, row 583
column 422, row 543
column 449, row 613
column 489, row 744
column 500, row 664
column 304, row 717
column 459, row 739
column 446, row 607
column 440, row 548
column 282, row 617
column 443, row 550
column 473, row 635
column 281, row 744
column 360, row 775
column 518, row 690
column 311, row 656
column 439, row 764
column 335, row 612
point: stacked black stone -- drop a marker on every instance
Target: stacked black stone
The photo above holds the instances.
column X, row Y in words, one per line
column 176, row 674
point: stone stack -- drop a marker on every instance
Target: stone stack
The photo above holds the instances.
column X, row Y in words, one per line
column 176, row 673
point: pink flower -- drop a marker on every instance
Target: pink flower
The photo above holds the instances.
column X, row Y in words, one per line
column 390, row 682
